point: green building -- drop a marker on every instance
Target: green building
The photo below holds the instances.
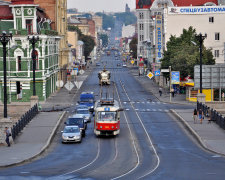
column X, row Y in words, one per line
column 25, row 19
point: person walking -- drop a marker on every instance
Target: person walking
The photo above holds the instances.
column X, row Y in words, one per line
column 7, row 133
column 160, row 91
column 200, row 115
column 195, row 115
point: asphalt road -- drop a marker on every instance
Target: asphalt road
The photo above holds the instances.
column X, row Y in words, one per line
column 151, row 145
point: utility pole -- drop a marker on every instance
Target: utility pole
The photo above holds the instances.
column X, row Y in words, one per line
column 4, row 40
column 170, row 83
column 33, row 41
column 201, row 39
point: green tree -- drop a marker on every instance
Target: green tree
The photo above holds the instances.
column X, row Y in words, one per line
column 104, row 38
column 89, row 42
column 133, row 47
column 108, row 20
column 183, row 54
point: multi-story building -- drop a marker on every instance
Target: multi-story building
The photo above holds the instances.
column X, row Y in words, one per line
column 57, row 12
column 170, row 17
column 24, row 18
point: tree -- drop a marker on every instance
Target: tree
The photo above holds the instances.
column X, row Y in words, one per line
column 108, row 20
column 126, row 17
column 183, row 54
column 133, row 47
column 104, row 38
column 89, row 42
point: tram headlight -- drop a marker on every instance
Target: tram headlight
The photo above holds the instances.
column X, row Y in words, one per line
column 112, row 127
column 101, row 127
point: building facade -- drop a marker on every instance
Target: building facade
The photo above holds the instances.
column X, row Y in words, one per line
column 26, row 21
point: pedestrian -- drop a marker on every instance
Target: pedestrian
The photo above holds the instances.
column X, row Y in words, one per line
column 200, row 115
column 195, row 115
column 160, row 91
column 172, row 91
column 7, row 133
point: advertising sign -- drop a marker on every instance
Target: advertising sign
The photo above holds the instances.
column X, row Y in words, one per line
column 175, row 77
column 159, row 38
column 143, row 4
column 197, row 10
column 157, row 73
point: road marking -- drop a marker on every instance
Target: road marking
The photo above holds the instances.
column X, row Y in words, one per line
column 127, row 109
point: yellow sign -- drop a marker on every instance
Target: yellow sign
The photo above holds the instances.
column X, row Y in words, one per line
column 132, row 62
column 150, row 75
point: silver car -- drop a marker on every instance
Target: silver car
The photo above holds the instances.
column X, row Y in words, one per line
column 85, row 113
column 71, row 134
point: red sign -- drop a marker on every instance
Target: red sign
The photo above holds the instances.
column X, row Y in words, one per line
column 143, row 4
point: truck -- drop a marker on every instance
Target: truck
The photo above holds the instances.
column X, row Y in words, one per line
column 87, row 99
column 104, row 77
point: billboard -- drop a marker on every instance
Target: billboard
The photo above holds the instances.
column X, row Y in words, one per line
column 175, row 77
column 159, row 38
column 143, row 4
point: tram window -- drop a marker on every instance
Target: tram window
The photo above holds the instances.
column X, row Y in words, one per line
column 107, row 116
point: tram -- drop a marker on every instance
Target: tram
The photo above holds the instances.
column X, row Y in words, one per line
column 107, row 117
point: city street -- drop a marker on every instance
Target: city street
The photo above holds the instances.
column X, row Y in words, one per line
column 152, row 143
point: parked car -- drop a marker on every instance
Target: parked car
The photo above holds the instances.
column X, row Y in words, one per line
column 85, row 113
column 77, row 120
column 71, row 134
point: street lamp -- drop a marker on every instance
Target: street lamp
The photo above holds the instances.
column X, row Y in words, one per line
column 33, row 41
column 4, row 40
column 201, row 39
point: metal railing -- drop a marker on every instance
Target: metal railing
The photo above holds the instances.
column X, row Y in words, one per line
column 24, row 120
column 212, row 114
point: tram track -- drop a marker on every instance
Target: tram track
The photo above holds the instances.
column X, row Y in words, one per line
column 133, row 138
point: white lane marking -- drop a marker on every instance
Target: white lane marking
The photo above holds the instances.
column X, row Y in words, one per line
column 85, row 165
column 136, row 109
column 160, row 109
column 127, row 109
column 148, row 110
column 138, row 102
column 133, row 141
column 151, row 143
column 153, row 109
column 125, row 102
column 143, row 102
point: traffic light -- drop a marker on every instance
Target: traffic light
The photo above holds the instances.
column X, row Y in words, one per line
column 18, row 87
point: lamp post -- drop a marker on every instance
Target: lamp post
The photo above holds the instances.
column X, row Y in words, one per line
column 201, row 39
column 4, row 38
column 33, row 41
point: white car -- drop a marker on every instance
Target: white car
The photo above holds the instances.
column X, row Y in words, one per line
column 124, row 65
column 85, row 113
column 71, row 134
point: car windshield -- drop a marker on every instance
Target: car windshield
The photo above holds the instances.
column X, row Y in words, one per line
column 87, row 100
column 82, row 111
column 75, row 121
column 68, row 129
column 107, row 116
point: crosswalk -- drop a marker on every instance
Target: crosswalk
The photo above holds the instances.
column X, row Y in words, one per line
column 143, row 102
column 148, row 110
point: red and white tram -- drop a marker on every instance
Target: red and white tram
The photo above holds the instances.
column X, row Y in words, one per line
column 107, row 117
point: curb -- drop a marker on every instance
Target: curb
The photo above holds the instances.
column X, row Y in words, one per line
column 193, row 132
column 44, row 147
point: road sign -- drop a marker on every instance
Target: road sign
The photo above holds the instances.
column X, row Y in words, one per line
column 150, row 75
column 59, row 83
column 78, row 84
column 69, row 86
column 81, row 71
column 165, row 70
column 157, row 73
column 132, row 62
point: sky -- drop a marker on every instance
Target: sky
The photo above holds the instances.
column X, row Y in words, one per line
column 100, row 5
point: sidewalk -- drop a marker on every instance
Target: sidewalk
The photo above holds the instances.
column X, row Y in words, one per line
column 210, row 136
column 38, row 134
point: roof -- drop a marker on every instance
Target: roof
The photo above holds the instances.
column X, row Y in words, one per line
column 5, row 12
column 192, row 2
column 14, row 2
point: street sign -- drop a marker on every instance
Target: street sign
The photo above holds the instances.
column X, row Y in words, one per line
column 165, row 70
column 59, row 83
column 175, row 77
column 69, row 86
column 78, row 84
column 132, row 62
column 150, row 75
column 157, row 73
column 81, row 71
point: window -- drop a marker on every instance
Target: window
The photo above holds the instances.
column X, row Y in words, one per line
column 217, row 36
column 141, row 15
column 211, row 19
column 29, row 26
column 216, row 53
column 141, row 26
column 19, row 65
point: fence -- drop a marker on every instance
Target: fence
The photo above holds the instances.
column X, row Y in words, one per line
column 212, row 114
column 24, row 120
